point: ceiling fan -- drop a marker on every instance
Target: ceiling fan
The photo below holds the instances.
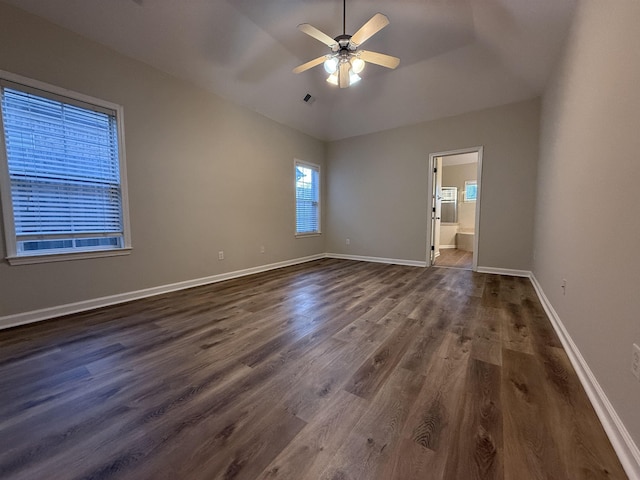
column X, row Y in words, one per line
column 345, row 61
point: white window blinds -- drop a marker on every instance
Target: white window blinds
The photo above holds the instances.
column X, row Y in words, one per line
column 307, row 198
column 64, row 172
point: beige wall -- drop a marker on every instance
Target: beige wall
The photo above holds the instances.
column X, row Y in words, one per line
column 448, row 235
column 587, row 228
column 455, row 176
column 378, row 186
column 204, row 175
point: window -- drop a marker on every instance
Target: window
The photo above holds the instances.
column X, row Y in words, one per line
column 307, row 198
column 62, row 171
column 470, row 191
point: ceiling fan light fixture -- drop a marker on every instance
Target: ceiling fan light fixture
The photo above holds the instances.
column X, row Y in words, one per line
column 333, row 78
column 331, row 65
column 345, row 61
column 357, row 65
column 353, row 78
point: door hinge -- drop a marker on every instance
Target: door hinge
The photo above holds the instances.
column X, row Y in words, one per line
column 433, row 248
column 434, row 209
column 435, row 169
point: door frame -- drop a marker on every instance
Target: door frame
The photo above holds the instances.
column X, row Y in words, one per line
column 431, row 203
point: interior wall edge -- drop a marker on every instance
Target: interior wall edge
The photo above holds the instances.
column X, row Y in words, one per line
column 621, row 440
column 24, row 318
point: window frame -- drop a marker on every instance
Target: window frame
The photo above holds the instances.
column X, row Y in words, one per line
column 78, row 99
column 316, row 167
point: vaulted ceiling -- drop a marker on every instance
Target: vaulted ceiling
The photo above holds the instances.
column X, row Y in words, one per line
column 456, row 55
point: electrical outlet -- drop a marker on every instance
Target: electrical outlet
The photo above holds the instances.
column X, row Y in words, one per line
column 635, row 361
column 220, row 255
column 262, row 250
column 348, row 241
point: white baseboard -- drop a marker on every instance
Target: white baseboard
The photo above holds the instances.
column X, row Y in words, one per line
column 393, row 261
column 444, row 247
column 623, row 444
column 58, row 311
column 505, row 271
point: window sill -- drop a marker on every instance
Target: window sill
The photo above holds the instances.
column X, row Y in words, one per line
column 312, row 234
column 64, row 257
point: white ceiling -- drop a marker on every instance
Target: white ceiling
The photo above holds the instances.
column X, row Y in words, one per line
column 456, row 55
column 459, row 159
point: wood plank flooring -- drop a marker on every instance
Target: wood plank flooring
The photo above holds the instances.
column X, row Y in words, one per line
column 452, row 257
column 334, row 369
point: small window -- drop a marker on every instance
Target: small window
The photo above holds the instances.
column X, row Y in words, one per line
column 470, row 190
column 62, row 172
column 307, row 198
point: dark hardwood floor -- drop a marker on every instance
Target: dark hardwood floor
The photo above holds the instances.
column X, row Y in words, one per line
column 452, row 257
column 328, row 370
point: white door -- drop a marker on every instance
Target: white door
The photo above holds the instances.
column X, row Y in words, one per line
column 436, row 209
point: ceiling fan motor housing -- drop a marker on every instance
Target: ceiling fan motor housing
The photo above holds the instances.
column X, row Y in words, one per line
column 343, row 42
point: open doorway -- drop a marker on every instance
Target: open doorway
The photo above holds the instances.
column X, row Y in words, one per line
column 455, row 208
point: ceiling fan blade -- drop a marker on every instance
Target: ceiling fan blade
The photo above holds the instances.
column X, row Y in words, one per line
column 380, row 59
column 317, row 34
column 344, row 74
column 306, row 66
column 373, row 26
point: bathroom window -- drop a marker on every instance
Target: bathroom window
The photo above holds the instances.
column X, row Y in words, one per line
column 470, row 191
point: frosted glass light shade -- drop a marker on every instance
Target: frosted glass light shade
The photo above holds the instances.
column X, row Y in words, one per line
column 353, row 78
column 330, row 65
column 333, row 78
column 357, row 65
